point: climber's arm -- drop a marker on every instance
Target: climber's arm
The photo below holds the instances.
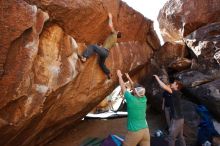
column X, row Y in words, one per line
column 74, row 43
column 162, row 85
column 110, row 23
column 130, row 80
column 121, row 81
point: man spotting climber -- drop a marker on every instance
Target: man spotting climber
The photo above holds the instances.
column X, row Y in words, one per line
column 103, row 51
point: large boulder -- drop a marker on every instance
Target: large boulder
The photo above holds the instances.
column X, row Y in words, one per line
column 209, row 95
column 16, row 17
column 173, row 56
column 44, row 87
column 196, row 24
column 178, row 18
column 92, row 18
column 205, row 43
column 170, row 52
column 203, row 89
column 193, row 78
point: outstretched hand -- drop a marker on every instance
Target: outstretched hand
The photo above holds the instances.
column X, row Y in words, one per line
column 110, row 23
column 127, row 75
column 119, row 74
column 155, row 76
column 110, row 15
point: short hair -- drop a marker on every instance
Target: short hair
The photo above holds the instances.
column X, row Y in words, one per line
column 171, row 79
column 119, row 34
column 180, row 85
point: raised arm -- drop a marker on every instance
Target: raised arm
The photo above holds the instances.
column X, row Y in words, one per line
column 74, row 43
column 110, row 23
column 121, row 81
column 162, row 85
column 129, row 79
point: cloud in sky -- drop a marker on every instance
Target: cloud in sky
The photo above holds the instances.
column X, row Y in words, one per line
column 150, row 9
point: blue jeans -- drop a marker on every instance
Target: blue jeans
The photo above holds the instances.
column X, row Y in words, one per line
column 103, row 54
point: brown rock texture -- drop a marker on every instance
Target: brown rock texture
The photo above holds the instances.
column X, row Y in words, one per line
column 169, row 52
column 178, row 18
column 204, row 88
column 208, row 95
column 196, row 23
column 92, row 18
column 14, row 20
column 44, row 87
column 180, row 64
column 205, row 43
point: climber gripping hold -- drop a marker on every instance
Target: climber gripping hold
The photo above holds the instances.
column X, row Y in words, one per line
column 103, row 51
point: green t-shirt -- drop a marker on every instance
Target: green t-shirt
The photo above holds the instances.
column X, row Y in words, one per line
column 110, row 41
column 136, row 108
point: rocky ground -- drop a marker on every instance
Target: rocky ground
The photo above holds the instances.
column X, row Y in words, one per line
column 102, row 128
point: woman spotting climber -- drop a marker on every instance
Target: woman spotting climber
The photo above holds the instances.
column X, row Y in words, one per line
column 103, row 51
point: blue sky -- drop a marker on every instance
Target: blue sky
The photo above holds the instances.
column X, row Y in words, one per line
column 150, row 9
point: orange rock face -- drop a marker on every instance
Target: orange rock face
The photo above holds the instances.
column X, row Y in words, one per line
column 44, row 87
column 170, row 52
column 14, row 20
column 179, row 18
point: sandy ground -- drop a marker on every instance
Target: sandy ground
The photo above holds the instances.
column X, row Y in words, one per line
column 101, row 129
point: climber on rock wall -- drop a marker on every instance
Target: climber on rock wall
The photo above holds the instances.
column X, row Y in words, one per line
column 103, row 51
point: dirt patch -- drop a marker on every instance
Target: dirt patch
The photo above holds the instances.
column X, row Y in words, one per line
column 102, row 128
